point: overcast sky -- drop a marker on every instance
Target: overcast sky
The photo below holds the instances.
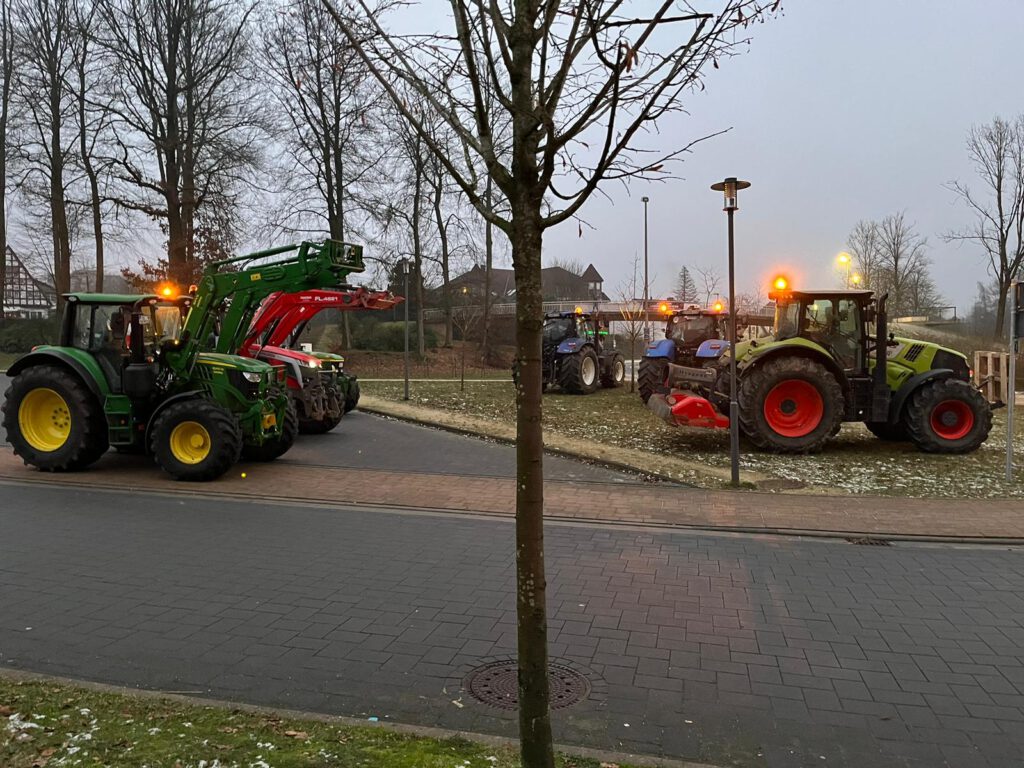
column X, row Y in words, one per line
column 841, row 110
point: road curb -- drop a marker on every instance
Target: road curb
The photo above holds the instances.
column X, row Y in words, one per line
column 432, row 732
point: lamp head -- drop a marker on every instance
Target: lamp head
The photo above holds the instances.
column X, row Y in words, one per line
column 729, row 189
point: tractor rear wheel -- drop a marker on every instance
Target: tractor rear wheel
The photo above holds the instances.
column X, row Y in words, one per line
column 651, row 375
column 277, row 446
column 195, row 440
column 615, row 374
column 328, row 422
column 52, row 420
column 790, row 405
column 884, row 430
column 947, row 416
column 578, row 373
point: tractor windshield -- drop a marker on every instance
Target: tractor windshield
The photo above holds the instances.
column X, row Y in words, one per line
column 692, row 328
column 556, row 329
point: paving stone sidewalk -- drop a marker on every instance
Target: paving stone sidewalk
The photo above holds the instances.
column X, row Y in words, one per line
column 651, row 503
column 737, row 650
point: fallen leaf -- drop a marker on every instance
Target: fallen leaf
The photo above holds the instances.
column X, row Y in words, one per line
column 6, row 711
column 297, row 734
column 227, row 729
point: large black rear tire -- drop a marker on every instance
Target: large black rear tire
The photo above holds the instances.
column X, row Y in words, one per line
column 278, row 446
column 195, row 440
column 651, row 375
column 790, row 405
column 53, row 421
column 578, row 373
column 947, row 416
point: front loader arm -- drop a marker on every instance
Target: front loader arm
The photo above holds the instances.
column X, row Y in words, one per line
column 231, row 290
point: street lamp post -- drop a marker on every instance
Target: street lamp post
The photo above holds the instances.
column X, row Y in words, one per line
column 847, row 262
column 730, row 188
column 405, row 273
column 647, row 297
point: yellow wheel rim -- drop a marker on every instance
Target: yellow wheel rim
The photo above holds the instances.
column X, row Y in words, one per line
column 190, row 442
column 44, row 419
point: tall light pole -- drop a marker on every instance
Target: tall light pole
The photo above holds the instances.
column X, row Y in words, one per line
column 730, row 188
column 405, row 273
column 846, row 263
column 647, row 296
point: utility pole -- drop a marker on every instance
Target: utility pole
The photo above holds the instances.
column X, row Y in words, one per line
column 405, row 271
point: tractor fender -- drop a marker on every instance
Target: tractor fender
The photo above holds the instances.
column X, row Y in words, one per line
column 712, row 348
column 911, row 385
column 662, row 348
column 811, row 351
column 572, row 346
column 190, row 395
column 80, row 363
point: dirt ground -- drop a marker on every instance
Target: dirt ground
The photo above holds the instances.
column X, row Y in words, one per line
column 854, row 462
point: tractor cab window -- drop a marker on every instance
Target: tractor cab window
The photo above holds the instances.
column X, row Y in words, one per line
column 557, row 329
column 847, row 343
column 166, row 324
column 787, row 320
column 694, row 328
column 99, row 328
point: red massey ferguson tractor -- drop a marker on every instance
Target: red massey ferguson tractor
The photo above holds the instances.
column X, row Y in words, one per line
column 317, row 382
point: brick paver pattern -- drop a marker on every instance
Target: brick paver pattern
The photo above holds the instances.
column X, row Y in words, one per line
column 764, row 650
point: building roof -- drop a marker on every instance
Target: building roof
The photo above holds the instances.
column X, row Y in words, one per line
column 557, row 283
column 591, row 275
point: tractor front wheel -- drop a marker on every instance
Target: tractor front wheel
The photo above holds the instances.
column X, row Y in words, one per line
column 278, row 446
column 615, row 374
column 651, row 375
column 352, row 396
column 328, row 422
column 790, row 405
column 53, row 422
column 195, row 440
column 948, row 416
column 578, row 373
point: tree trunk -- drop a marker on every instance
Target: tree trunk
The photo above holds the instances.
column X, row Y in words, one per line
column 421, row 346
column 442, row 232
column 531, row 586
column 90, row 172
column 488, row 262
column 1004, row 289
column 58, row 211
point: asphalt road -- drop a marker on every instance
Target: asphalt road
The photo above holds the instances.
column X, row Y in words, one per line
column 736, row 650
column 363, row 441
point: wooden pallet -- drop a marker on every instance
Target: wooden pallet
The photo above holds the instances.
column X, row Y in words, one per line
column 991, row 375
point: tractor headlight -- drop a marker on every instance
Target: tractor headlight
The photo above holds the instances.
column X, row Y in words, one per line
column 253, row 378
column 313, row 363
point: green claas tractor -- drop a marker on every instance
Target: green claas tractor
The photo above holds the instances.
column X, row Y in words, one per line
column 129, row 373
column 825, row 365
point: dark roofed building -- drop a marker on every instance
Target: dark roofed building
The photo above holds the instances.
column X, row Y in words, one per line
column 557, row 284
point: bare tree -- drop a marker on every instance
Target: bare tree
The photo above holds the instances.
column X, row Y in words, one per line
column 631, row 308
column 331, row 118
column 902, row 253
column 466, row 315
column 6, row 89
column 582, row 84
column 184, row 111
column 997, row 152
column 864, row 244
column 45, row 37
column 710, row 279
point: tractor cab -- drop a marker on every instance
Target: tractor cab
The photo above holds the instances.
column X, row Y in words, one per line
column 837, row 321
column 576, row 356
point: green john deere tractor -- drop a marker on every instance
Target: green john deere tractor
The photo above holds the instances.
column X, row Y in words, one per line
column 120, row 376
column 128, row 373
column 823, row 366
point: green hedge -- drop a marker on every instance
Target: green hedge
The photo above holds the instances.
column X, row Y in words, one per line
column 389, row 337
column 21, row 335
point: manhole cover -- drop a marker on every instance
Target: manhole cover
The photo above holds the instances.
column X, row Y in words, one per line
column 497, row 685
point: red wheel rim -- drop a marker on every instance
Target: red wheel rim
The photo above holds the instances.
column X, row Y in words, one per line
column 952, row 419
column 794, row 408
